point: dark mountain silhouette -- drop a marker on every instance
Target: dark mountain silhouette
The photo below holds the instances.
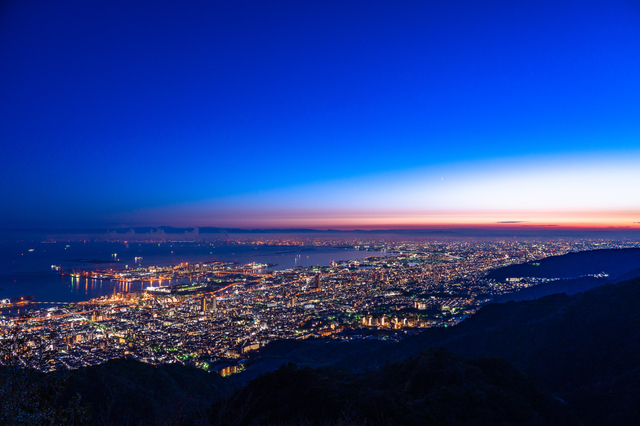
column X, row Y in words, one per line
column 434, row 388
column 559, row 359
column 323, row 352
column 123, row 391
column 574, row 269
column 584, row 348
column 567, row 286
column 614, row 262
column 628, row 275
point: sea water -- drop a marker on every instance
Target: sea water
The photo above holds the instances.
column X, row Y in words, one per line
column 30, row 268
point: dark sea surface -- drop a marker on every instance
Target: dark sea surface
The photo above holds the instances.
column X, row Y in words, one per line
column 26, row 267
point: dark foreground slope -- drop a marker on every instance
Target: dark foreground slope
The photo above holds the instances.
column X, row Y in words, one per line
column 119, row 392
column 130, row 392
column 555, row 338
column 434, row 388
column 584, row 348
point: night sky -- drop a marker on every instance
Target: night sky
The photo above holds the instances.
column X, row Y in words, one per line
column 343, row 114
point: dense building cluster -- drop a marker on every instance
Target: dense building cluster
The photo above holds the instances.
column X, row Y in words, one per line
column 231, row 310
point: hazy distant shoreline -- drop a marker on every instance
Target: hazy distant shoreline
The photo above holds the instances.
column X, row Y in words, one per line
column 227, row 234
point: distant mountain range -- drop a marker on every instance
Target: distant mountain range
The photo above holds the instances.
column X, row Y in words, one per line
column 577, row 271
column 214, row 230
column 613, row 262
column 487, row 231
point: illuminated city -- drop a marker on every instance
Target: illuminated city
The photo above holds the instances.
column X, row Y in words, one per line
column 319, row 213
column 217, row 312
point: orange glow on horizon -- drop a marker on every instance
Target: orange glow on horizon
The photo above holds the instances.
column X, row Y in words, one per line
column 564, row 192
column 520, row 220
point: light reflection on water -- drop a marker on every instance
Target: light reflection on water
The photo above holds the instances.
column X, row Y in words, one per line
column 24, row 272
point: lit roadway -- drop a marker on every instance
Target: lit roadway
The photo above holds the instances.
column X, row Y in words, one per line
column 121, row 304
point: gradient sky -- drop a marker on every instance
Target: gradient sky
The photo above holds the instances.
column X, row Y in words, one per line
column 319, row 114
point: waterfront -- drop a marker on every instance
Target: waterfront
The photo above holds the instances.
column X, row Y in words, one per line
column 26, row 267
column 237, row 308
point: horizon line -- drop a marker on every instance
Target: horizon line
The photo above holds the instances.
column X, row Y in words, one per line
column 497, row 226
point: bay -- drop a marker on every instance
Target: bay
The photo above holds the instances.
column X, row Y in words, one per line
column 26, row 268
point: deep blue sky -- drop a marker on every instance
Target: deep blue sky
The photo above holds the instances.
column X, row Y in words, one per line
column 111, row 107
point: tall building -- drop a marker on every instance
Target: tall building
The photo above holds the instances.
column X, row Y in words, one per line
column 209, row 305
